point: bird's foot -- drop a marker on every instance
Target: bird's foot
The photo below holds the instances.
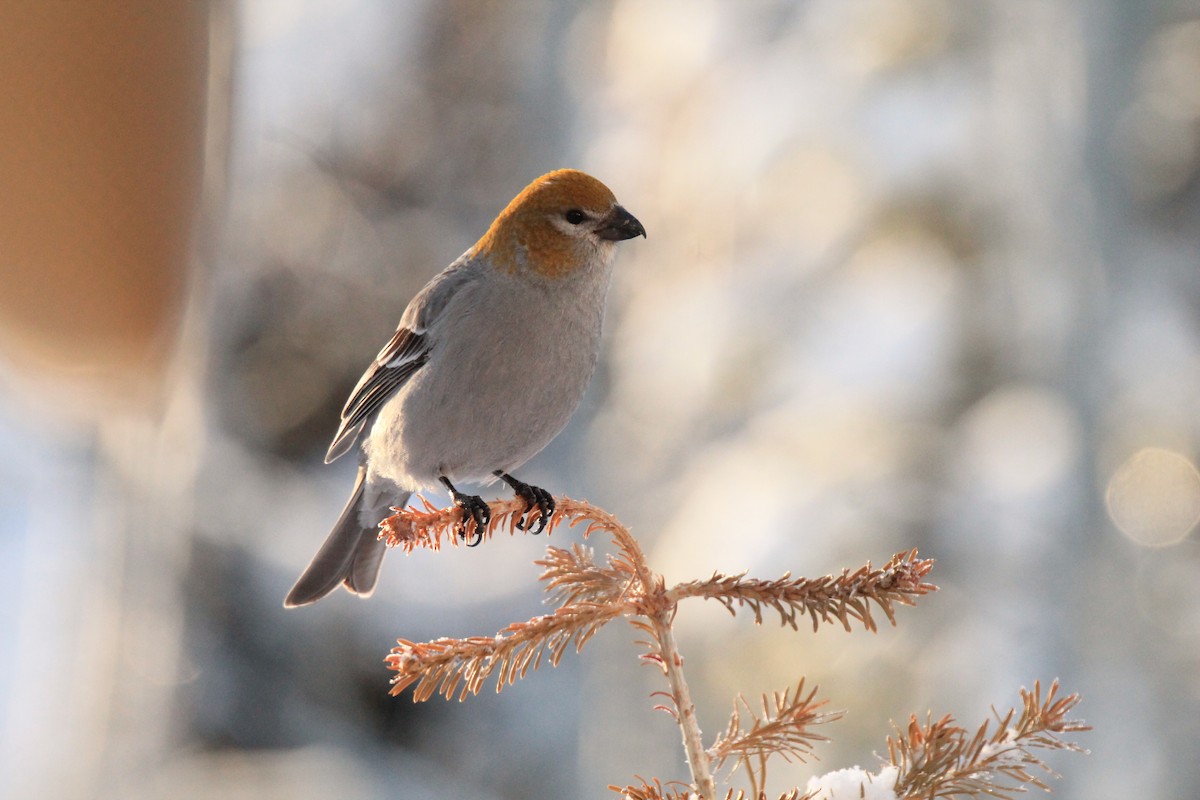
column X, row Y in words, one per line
column 534, row 497
column 474, row 509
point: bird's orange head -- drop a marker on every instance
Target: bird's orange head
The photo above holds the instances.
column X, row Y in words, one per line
column 557, row 225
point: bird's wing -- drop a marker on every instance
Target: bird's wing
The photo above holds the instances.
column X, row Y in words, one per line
column 400, row 358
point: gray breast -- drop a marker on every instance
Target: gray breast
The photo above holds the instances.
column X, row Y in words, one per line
column 503, row 380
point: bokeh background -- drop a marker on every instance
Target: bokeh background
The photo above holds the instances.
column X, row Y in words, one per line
column 920, row 273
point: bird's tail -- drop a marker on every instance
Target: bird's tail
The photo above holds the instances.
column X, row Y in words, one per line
column 351, row 555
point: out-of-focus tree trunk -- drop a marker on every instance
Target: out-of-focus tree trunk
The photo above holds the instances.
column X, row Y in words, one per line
column 102, row 134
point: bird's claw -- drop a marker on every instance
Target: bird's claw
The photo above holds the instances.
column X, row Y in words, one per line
column 477, row 511
column 534, row 497
column 543, row 501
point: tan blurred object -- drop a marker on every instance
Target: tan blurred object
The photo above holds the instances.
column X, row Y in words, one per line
column 101, row 151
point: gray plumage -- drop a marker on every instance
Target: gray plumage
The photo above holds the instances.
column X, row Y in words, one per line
column 352, row 553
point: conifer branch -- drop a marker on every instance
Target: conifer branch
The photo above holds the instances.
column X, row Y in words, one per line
column 939, row 759
column 445, row 666
column 656, row 791
column 574, row 576
column 933, row 759
column 781, row 728
column 848, row 596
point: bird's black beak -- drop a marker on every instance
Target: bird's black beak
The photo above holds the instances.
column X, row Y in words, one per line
column 619, row 225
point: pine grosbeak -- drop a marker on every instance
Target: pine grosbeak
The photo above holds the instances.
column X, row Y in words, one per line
column 488, row 363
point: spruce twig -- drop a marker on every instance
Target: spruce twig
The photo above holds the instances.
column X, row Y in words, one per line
column 848, row 596
column 939, row 759
column 781, row 728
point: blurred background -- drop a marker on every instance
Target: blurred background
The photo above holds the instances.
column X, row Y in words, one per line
column 920, row 273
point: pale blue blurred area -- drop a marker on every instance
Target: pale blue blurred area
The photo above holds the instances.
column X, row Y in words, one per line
column 920, row 273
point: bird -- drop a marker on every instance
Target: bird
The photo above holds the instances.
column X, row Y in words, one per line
column 487, row 365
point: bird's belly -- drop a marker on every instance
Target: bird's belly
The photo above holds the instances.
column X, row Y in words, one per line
column 484, row 405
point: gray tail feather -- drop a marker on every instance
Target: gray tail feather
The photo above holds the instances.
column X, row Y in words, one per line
column 351, row 555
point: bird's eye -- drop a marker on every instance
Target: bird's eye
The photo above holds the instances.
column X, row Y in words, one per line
column 575, row 216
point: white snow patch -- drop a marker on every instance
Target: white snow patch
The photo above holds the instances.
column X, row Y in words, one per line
column 855, row 784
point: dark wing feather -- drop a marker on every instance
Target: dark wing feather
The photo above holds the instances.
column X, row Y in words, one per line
column 406, row 353
column 397, row 361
